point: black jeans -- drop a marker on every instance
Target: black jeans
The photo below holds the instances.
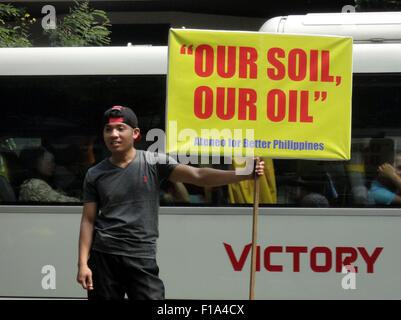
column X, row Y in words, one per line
column 114, row 276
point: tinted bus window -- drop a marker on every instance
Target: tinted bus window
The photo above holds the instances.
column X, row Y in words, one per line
column 376, row 134
column 62, row 114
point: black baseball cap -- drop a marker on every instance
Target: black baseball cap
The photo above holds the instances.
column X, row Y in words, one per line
column 121, row 114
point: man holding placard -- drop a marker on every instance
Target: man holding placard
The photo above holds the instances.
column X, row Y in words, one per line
column 119, row 225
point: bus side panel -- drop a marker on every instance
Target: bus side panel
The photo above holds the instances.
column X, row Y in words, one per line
column 199, row 255
column 39, row 255
column 205, row 256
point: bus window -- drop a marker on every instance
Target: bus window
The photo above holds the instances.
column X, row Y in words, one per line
column 376, row 137
column 63, row 115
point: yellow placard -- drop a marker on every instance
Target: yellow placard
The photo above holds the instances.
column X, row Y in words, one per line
column 249, row 93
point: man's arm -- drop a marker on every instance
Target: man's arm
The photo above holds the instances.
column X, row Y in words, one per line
column 396, row 200
column 388, row 171
column 84, row 276
column 208, row 177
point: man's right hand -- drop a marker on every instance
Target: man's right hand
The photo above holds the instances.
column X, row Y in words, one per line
column 84, row 277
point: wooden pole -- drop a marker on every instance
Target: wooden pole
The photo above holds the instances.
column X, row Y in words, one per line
column 254, row 234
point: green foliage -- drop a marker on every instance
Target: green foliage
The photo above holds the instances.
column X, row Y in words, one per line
column 378, row 5
column 14, row 26
column 84, row 26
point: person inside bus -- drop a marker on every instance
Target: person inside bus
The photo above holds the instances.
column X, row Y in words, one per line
column 119, row 225
column 173, row 193
column 314, row 200
column 72, row 163
column 386, row 188
column 39, row 167
column 8, row 166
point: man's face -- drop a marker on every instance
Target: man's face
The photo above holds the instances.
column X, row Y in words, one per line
column 119, row 137
column 46, row 164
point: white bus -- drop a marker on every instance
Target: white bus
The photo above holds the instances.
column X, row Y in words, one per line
column 318, row 217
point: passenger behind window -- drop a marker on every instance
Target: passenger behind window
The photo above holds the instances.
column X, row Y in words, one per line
column 8, row 161
column 39, row 166
column 173, row 193
column 215, row 196
column 73, row 162
column 243, row 191
column 386, row 188
column 313, row 199
column 312, row 193
column 6, row 191
column 313, row 184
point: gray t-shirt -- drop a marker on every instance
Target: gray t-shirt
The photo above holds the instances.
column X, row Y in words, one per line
column 128, row 202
